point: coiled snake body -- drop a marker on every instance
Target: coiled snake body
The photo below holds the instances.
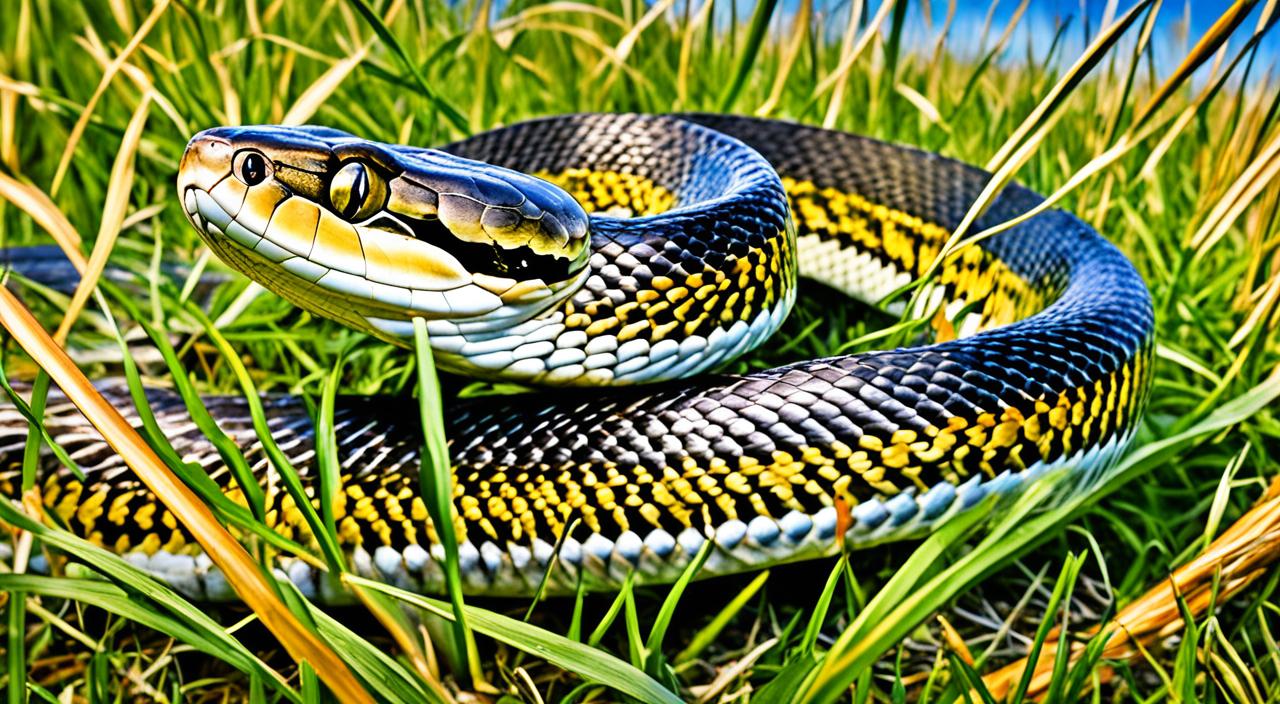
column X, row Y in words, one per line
column 687, row 258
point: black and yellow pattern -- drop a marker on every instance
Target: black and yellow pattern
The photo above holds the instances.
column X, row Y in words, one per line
column 979, row 281
column 614, row 192
column 677, row 299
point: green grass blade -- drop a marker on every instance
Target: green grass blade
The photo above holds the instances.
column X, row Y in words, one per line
column 31, row 453
column 327, row 466
column 436, row 480
column 112, row 598
column 747, row 59
column 159, row 595
column 585, row 661
column 546, row 574
column 226, row 447
column 395, row 682
column 288, row 474
column 707, row 635
column 818, row 615
column 1061, row 595
column 611, row 614
column 16, row 641
column 384, row 33
column 32, row 417
column 658, row 632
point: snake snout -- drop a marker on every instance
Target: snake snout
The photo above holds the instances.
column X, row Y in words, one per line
column 206, row 160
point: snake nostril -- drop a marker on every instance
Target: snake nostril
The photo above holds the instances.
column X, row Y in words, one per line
column 207, row 160
column 209, row 150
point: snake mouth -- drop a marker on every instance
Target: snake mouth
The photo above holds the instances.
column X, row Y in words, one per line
column 375, row 273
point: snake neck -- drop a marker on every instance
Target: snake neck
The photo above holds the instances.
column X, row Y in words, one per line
column 692, row 264
column 646, row 310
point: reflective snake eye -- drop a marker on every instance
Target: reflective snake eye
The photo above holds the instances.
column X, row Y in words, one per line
column 357, row 192
column 251, row 168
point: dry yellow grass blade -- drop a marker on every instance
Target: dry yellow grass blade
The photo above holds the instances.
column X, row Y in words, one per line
column 1148, row 170
column 557, row 7
column 251, row 14
column 140, row 78
column 1096, row 165
column 1239, row 556
column 8, row 83
column 628, row 42
column 686, row 51
column 1258, row 315
column 1010, row 27
column 1209, row 43
column 847, row 42
column 590, row 38
column 1245, row 134
column 1256, row 177
column 21, row 55
column 615, row 56
column 923, row 104
column 1062, row 89
column 78, row 130
column 726, row 676
column 35, row 203
column 836, row 78
column 230, row 98
column 241, row 572
column 142, row 215
column 799, row 30
column 295, row 47
column 113, row 211
column 939, row 45
column 318, row 92
column 8, row 135
column 123, row 17
column 952, row 638
column 283, row 82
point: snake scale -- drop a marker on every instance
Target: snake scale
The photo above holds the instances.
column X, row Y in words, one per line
column 639, row 252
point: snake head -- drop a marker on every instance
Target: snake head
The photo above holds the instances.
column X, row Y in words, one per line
column 374, row 234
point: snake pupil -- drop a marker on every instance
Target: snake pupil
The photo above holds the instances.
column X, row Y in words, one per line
column 354, row 192
column 253, row 169
column 359, row 191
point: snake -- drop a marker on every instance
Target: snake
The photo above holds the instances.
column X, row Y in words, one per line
column 612, row 263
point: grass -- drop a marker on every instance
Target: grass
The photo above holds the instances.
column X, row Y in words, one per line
column 1175, row 162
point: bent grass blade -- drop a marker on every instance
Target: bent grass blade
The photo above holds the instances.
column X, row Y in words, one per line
column 241, row 572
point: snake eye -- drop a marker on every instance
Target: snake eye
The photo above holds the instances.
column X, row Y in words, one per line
column 357, row 191
column 251, row 168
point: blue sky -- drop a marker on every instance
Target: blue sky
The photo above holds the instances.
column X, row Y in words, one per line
column 1043, row 17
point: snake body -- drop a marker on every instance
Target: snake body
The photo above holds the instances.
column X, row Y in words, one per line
column 649, row 249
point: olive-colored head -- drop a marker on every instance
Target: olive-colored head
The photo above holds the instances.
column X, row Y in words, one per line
column 374, row 234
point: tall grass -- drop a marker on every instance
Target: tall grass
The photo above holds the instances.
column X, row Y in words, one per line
column 1175, row 162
